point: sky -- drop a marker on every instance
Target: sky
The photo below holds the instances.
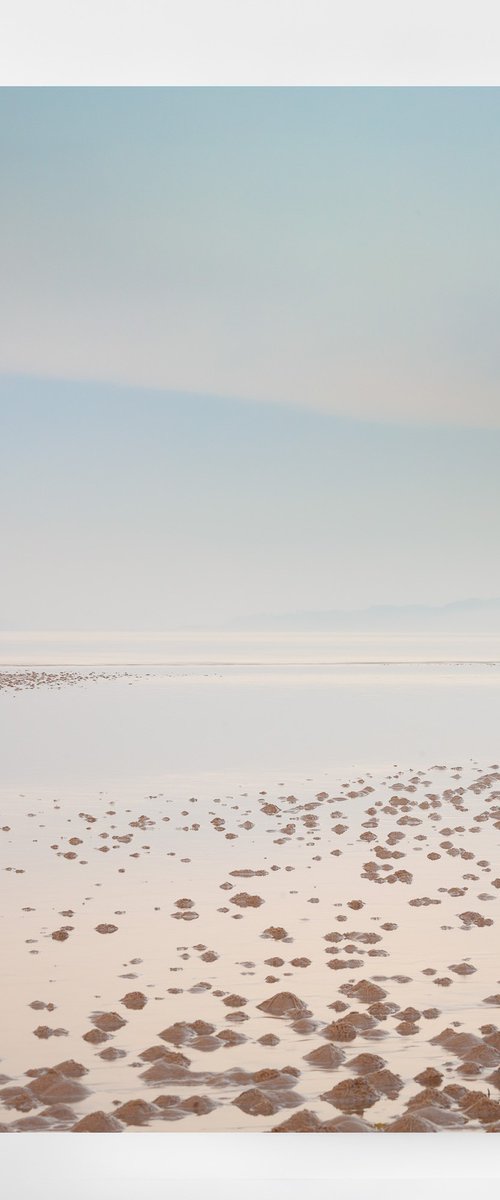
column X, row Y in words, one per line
column 249, row 352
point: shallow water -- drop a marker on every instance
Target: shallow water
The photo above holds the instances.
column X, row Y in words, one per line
column 247, row 722
column 194, row 745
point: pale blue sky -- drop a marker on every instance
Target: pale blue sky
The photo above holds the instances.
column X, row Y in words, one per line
column 249, row 352
column 331, row 248
column 131, row 510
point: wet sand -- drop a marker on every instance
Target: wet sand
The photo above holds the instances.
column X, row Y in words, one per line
column 304, row 955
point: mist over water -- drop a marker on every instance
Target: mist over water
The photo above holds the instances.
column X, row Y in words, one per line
column 205, row 647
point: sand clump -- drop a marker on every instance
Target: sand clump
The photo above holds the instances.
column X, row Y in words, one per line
column 366, row 1064
column 134, row 1000
column 256, row 1103
column 97, row 1122
column 284, row 1004
column 44, row 1032
column 378, row 1036
column 304, row 1121
column 245, row 900
column 52, row 1087
column 352, row 1095
column 429, row 1078
column 340, row 1031
column 108, row 1022
column 135, row 1112
column 326, row 1057
column 365, row 992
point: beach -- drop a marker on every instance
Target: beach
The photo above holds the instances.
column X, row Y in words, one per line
column 250, row 896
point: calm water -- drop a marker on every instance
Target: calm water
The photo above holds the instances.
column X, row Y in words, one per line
column 250, row 707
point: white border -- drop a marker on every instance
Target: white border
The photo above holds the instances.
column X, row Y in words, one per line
column 235, row 43
column 249, row 42
column 133, row 1166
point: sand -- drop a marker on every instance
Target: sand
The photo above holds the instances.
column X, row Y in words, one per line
column 354, row 988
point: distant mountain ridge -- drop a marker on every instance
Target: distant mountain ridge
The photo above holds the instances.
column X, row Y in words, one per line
column 474, row 615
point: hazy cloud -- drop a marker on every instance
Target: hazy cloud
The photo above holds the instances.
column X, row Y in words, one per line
column 337, row 250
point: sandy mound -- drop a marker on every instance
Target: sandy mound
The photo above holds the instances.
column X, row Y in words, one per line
column 284, row 1004
column 108, row 1022
column 484, row 1110
column 326, row 1057
column 199, row 1105
column 365, row 991
column 256, row 1103
column 97, row 1122
column 387, row 1083
column 54, row 1088
column 245, row 900
column 366, row 1064
column 134, row 1000
column 429, row 1095
column 135, row 1112
column 340, row 1031
column 352, row 1095
column 304, row 1121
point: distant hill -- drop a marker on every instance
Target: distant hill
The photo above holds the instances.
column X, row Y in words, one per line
column 460, row 616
